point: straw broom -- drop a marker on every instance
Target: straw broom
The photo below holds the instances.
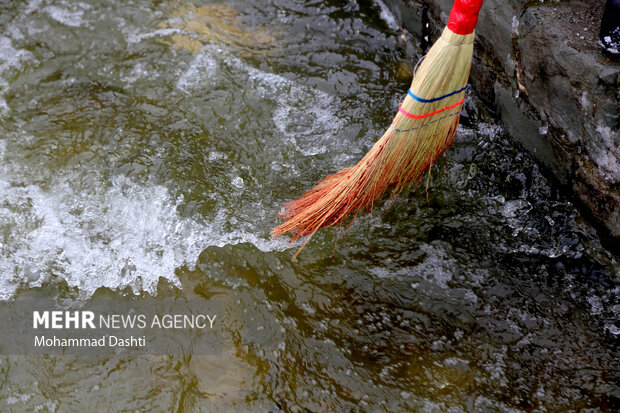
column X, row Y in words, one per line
column 423, row 129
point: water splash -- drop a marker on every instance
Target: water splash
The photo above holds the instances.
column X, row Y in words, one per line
column 10, row 59
column 71, row 14
column 117, row 235
column 304, row 117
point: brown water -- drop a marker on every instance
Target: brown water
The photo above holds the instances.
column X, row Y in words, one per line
column 145, row 149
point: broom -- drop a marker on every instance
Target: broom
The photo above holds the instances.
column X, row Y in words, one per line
column 423, row 129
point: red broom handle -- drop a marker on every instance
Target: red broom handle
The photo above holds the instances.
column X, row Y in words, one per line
column 464, row 16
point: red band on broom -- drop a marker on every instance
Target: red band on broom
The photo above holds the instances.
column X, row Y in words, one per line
column 423, row 129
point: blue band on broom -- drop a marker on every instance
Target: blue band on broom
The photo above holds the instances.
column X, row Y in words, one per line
column 419, row 99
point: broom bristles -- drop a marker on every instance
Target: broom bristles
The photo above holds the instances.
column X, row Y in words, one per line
column 423, row 129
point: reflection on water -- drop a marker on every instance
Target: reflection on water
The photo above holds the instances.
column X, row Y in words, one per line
column 145, row 149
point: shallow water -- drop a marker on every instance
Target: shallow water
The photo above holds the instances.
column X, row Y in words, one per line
column 146, row 148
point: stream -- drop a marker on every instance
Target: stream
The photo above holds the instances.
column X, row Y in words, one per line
column 146, row 148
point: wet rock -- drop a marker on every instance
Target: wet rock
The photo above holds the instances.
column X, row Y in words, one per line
column 404, row 72
column 539, row 65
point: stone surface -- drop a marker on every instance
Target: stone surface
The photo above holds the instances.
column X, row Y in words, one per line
column 538, row 64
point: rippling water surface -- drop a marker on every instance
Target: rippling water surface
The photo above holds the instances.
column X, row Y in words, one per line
column 145, row 149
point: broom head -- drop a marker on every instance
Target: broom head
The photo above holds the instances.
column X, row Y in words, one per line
column 423, row 129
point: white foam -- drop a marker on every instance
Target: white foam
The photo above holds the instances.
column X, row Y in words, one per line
column 238, row 182
column 33, row 5
column 214, row 156
column 14, row 30
column 315, row 120
column 119, row 234
column 72, row 15
column 136, row 37
column 438, row 267
column 18, row 398
column 201, row 69
column 11, row 57
column 387, row 15
column 303, row 115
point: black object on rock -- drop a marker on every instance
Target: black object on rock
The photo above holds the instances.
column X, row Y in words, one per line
column 610, row 28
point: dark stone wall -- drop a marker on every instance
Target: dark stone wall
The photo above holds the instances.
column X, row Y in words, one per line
column 540, row 67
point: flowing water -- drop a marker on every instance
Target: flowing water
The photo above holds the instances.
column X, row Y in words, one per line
column 145, row 149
